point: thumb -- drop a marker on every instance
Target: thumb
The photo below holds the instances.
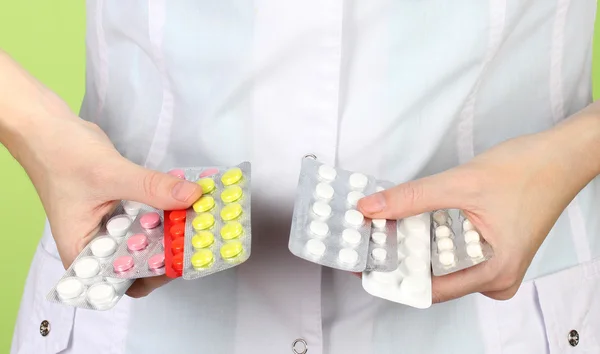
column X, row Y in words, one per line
column 439, row 191
column 159, row 190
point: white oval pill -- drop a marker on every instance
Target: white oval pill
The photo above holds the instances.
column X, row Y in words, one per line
column 446, row 258
column 474, row 250
column 319, row 228
column 379, row 223
column 441, row 217
column 353, row 197
column 101, row 295
column 413, row 246
column 327, row 173
column 348, row 256
column 351, row 236
column 87, row 267
column 442, row 231
column 118, row 225
column 358, row 181
column 472, row 236
column 315, row 247
column 69, row 288
column 445, row 244
column 379, row 237
column 379, row 254
column 415, row 224
column 321, row 209
column 324, row 191
column 354, row 217
column 413, row 265
column 103, row 247
column 467, row 225
column 132, row 208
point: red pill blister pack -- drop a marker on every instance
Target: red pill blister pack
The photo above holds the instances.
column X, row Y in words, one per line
column 141, row 253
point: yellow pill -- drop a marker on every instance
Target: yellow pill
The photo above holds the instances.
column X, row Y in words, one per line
column 203, row 221
column 232, row 176
column 205, row 203
column 202, row 259
column 231, row 194
column 207, row 184
column 231, row 211
column 203, row 239
column 231, row 249
column 231, row 230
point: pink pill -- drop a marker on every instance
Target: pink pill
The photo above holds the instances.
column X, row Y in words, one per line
column 156, row 261
column 209, row 172
column 177, row 173
column 150, row 220
column 123, row 263
column 137, row 242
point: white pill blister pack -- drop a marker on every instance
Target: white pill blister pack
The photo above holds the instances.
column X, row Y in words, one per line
column 383, row 244
column 141, row 253
column 83, row 284
column 326, row 227
column 455, row 244
column 218, row 230
column 410, row 282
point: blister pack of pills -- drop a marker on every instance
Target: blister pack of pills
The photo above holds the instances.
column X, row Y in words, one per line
column 383, row 244
column 218, row 230
column 83, row 284
column 141, row 253
column 326, row 227
column 410, row 282
column 455, row 244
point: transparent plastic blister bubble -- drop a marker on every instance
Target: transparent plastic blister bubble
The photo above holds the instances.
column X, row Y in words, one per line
column 218, row 230
column 83, row 284
column 455, row 244
column 326, row 227
column 383, row 243
column 410, row 282
column 141, row 253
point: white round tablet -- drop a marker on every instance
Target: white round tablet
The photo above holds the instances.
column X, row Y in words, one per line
column 354, row 197
column 117, row 226
column 379, row 237
column 354, row 217
column 101, row 294
column 321, row 209
column 467, row 225
column 315, row 247
column 413, row 246
column 103, row 247
column 474, row 250
column 446, row 258
column 379, row 223
column 379, row 254
column 442, row 231
column 351, row 236
column 87, row 267
column 413, row 266
column 445, row 244
column 327, row 173
column 324, row 191
column 441, row 217
column 358, row 181
column 413, row 285
column 69, row 288
column 319, row 228
column 132, row 208
column 414, row 224
column 348, row 256
column 379, row 189
column 472, row 236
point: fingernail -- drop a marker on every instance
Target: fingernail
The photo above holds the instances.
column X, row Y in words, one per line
column 373, row 203
column 183, row 190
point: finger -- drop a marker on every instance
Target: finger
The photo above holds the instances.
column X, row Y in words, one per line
column 160, row 190
column 458, row 284
column 415, row 197
column 143, row 287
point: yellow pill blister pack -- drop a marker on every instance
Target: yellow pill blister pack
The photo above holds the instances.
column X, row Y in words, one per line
column 218, row 225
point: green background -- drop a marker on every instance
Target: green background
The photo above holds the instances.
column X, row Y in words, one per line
column 47, row 38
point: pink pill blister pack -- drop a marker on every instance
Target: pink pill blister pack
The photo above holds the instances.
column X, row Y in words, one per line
column 141, row 252
column 455, row 243
column 83, row 284
column 383, row 244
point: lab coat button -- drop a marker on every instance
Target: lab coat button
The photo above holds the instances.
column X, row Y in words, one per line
column 44, row 328
column 299, row 346
column 573, row 338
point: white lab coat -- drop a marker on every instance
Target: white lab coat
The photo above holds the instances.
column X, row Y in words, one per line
column 394, row 88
